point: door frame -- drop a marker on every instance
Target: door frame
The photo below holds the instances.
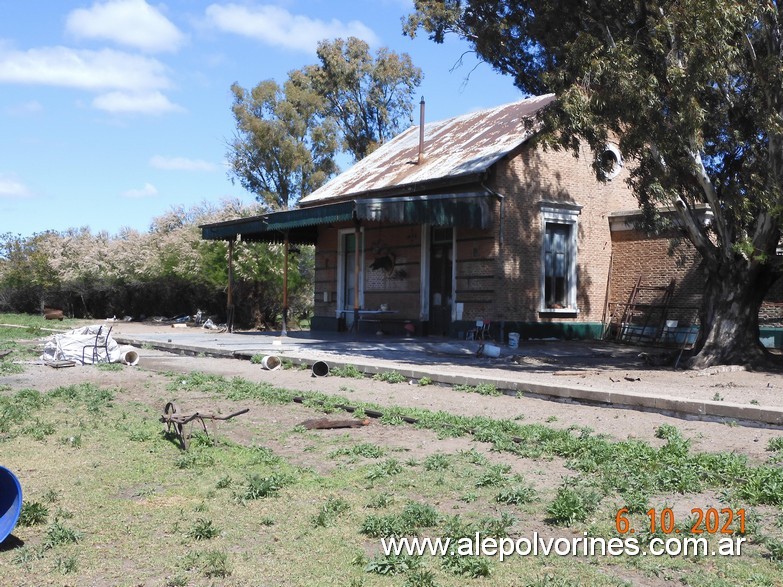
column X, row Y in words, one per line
column 340, row 309
column 426, row 266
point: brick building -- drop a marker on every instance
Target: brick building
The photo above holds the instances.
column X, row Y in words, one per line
column 469, row 221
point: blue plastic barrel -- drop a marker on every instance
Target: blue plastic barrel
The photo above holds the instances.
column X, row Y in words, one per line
column 10, row 502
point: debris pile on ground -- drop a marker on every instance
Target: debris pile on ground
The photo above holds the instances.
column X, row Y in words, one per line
column 84, row 346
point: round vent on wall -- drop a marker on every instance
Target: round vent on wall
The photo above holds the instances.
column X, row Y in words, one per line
column 611, row 162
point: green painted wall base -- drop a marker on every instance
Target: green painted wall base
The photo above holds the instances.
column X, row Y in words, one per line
column 528, row 330
column 772, row 338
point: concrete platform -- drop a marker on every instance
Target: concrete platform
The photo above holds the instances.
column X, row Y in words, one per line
column 586, row 372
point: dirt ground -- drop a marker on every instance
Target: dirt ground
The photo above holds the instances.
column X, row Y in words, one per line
column 592, row 365
column 147, row 385
column 614, row 422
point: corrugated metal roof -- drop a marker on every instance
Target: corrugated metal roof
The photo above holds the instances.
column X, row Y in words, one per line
column 464, row 145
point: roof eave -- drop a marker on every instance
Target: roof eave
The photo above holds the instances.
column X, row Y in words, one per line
column 408, row 189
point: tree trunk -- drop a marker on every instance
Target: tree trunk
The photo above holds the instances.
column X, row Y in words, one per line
column 729, row 316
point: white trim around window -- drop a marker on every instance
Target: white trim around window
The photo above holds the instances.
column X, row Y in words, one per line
column 563, row 215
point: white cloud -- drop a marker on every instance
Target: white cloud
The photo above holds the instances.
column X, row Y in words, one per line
column 148, row 191
column 133, row 23
column 25, row 109
column 278, row 27
column 127, row 83
column 181, row 164
column 135, row 102
column 87, row 70
column 11, row 187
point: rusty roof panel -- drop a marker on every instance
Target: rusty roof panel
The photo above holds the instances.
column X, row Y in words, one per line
column 464, row 145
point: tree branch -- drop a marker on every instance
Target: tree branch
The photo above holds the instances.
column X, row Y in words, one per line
column 692, row 225
column 711, row 196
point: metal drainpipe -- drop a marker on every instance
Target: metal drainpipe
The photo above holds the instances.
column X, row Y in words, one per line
column 502, row 199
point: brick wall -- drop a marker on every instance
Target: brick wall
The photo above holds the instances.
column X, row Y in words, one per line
column 657, row 260
column 534, row 176
column 661, row 258
column 397, row 287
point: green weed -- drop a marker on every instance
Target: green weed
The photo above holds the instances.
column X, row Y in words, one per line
column 392, row 564
column 214, row 563
column 203, row 529
column 38, row 430
column 667, row 432
column 10, row 368
column 380, row 501
column 33, row 513
column 74, row 441
column 365, row 449
column 774, row 548
column 572, row 504
column 420, row 578
column 51, row 496
column 493, row 476
column 224, row 482
column 437, row 462
column 775, row 444
column 481, row 389
column 66, row 565
column 390, row 377
column 109, row 366
column 329, row 511
column 387, row 468
column 349, row 371
column 517, row 495
column 58, row 534
column 473, row 567
column 409, row 521
column 258, row 487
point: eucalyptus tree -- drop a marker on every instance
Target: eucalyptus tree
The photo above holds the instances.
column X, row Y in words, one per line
column 370, row 97
column 283, row 147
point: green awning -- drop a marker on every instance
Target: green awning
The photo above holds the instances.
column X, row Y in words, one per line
column 228, row 230
column 310, row 216
column 300, row 224
column 463, row 209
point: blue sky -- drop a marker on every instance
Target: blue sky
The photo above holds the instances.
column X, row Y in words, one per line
column 114, row 111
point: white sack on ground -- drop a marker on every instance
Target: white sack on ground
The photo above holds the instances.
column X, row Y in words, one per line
column 81, row 342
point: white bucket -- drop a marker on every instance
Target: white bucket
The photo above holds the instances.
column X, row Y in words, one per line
column 129, row 356
column 490, row 350
column 513, row 340
column 271, row 362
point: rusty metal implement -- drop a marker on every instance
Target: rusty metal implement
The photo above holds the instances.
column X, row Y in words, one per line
column 175, row 421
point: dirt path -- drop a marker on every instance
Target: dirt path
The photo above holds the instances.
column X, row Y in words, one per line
column 616, row 423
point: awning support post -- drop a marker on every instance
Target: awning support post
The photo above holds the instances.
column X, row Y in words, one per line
column 230, row 296
column 356, row 263
column 285, row 286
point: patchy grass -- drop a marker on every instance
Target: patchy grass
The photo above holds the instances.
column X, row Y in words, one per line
column 390, row 377
column 125, row 505
column 349, row 371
